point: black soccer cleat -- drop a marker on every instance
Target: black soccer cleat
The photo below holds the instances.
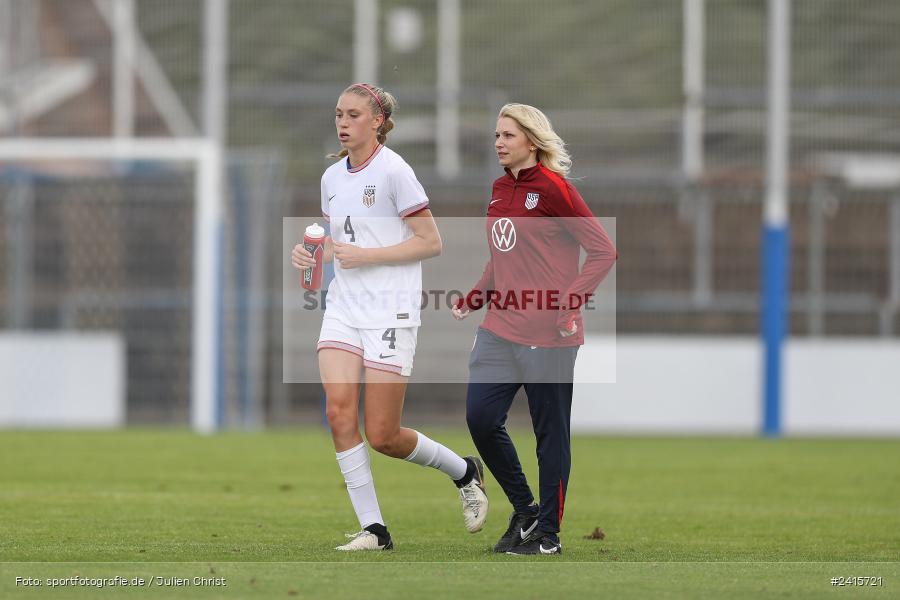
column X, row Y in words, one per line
column 521, row 525
column 537, row 544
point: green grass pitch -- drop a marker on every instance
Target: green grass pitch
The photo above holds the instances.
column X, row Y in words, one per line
column 682, row 517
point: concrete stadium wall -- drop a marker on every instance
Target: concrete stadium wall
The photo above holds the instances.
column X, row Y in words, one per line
column 65, row 380
column 711, row 385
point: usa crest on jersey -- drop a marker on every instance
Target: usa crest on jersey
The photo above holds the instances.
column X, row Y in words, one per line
column 531, row 200
column 369, row 196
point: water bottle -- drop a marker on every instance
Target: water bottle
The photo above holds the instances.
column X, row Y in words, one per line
column 314, row 242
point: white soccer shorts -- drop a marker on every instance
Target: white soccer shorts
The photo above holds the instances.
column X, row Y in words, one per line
column 390, row 349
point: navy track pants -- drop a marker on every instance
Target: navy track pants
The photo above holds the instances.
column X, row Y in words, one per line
column 497, row 369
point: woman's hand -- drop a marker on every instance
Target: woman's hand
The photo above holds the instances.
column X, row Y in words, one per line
column 572, row 331
column 350, row 256
column 301, row 258
column 459, row 314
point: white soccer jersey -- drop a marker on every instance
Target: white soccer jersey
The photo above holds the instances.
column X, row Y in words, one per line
column 365, row 206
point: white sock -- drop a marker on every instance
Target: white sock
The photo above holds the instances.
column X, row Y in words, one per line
column 357, row 473
column 429, row 453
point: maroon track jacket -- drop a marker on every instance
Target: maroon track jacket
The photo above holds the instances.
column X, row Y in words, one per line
column 531, row 284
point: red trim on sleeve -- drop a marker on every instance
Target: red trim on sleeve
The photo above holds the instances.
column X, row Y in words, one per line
column 559, row 182
column 413, row 210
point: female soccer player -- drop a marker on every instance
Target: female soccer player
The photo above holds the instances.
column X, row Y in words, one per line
column 380, row 230
column 533, row 326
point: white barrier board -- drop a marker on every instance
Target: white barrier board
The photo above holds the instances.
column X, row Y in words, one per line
column 712, row 385
column 62, row 380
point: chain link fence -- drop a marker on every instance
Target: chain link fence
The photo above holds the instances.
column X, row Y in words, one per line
column 112, row 249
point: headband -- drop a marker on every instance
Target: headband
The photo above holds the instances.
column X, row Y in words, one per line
column 369, row 89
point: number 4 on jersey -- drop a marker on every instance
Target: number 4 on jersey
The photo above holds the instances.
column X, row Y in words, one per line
column 348, row 229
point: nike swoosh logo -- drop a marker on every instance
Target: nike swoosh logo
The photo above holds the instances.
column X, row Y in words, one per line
column 526, row 532
column 330, row 198
column 386, row 356
column 497, row 200
column 551, row 550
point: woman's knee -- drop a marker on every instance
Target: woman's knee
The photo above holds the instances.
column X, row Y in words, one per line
column 383, row 440
column 341, row 418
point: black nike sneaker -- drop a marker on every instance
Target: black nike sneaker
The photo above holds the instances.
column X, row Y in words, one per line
column 538, row 544
column 521, row 525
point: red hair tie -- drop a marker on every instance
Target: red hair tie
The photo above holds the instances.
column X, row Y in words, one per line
column 369, row 89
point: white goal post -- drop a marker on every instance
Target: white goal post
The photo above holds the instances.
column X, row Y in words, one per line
column 207, row 158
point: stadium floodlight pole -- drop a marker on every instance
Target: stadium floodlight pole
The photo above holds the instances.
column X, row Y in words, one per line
column 365, row 41
column 8, row 117
column 448, row 89
column 776, row 230
column 5, row 37
column 215, row 70
column 692, row 118
column 123, row 68
column 205, row 358
column 693, row 51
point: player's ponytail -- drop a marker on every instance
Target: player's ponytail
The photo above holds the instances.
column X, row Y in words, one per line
column 381, row 102
column 551, row 149
column 384, row 129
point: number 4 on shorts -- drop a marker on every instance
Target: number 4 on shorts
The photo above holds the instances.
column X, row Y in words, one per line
column 390, row 335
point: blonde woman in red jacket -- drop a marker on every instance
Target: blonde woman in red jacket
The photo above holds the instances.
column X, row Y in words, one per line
column 534, row 291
